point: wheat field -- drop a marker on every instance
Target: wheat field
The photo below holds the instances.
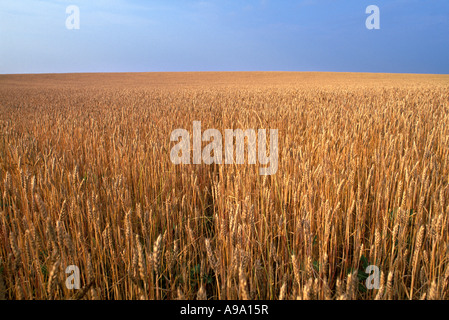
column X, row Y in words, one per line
column 86, row 180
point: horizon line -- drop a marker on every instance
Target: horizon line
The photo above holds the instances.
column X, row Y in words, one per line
column 215, row 71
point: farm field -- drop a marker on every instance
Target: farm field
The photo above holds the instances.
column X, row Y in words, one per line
column 86, row 180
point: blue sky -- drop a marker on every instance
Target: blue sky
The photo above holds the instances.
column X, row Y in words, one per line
column 226, row 35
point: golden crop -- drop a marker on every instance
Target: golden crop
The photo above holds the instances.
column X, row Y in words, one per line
column 86, row 180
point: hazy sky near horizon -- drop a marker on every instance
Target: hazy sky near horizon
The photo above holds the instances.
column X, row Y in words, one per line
column 226, row 35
